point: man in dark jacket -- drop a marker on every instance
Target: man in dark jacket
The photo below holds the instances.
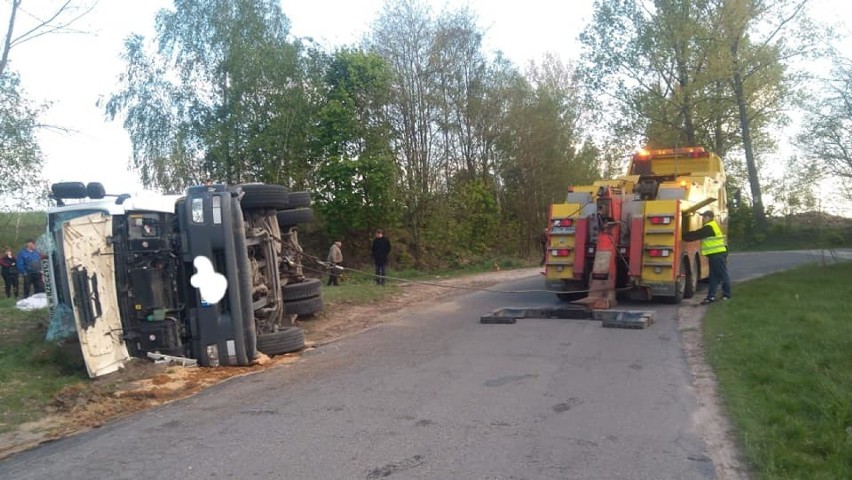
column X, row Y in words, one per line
column 9, row 268
column 380, row 250
column 715, row 248
column 29, row 265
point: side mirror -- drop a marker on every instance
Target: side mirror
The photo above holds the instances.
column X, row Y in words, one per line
column 95, row 191
column 74, row 190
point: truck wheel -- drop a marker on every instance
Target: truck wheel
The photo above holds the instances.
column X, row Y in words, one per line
column 288, row 218
column 680, row 286
column 691, row 284
column 311, row 287
column 260, row 195
column 299, row 199
column 289, row 339
column 307, row 306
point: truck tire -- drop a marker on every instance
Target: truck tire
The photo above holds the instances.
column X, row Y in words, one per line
column 287, row 340
column 311, row 287
column 289, row 218
column 260, row 195
column 299, row 199
column 680, row 286
column 307, row 306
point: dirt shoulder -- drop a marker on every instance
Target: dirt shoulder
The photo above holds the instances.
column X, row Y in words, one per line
column 713, row 425
column 143, row 385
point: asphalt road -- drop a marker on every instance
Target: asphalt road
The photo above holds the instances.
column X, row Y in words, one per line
column 435, row 395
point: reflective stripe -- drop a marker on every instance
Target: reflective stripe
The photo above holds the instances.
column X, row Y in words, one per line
column 714, row 244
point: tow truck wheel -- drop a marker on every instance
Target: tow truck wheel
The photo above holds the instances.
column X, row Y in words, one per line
column 289, row 339
column 261, row 195
column 691, row 284
column 680, row 285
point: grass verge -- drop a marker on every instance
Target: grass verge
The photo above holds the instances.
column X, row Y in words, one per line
column 31, row 370
column 782, row 352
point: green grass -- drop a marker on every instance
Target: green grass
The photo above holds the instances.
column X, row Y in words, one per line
column 782, row 237
column 16, row 228
column 782, row 351
column 31, row 370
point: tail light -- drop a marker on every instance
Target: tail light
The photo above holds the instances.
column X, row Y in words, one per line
column 562, row 252
column 563, row 222
column 661, row 220
column 659, row 252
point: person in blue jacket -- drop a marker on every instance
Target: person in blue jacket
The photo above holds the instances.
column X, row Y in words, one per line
column 29, row 264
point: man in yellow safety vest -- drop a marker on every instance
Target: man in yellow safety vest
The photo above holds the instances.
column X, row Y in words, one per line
column 715, row 248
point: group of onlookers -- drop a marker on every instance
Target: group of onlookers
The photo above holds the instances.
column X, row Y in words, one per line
column 26, row 264
column 379, row 250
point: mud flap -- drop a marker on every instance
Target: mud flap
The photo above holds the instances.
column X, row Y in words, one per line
column 90, row 267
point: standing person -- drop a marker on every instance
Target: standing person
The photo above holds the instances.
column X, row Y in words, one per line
column 10, row 273
column 29, row 264
column 714, row 247
column 543, row 239
column 380, row 249
column 335, row 258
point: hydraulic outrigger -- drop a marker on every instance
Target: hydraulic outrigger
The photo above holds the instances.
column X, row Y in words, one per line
column 604, row 268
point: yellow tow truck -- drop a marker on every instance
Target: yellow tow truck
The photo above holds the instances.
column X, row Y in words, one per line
column 623, row 235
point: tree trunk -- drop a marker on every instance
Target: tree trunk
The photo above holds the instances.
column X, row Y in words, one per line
column 751, row 165
column 7, row 42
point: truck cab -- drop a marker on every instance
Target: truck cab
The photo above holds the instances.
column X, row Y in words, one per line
column 120, row 270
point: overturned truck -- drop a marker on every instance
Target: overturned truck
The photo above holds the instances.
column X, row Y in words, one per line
column 121, row 270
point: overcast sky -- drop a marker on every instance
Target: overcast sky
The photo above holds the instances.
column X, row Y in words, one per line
column 72, row 72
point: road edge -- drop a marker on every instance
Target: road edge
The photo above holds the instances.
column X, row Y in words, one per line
column 710, row 418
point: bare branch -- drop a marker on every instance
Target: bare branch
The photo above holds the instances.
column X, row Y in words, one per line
column 48, row 26
column 798, row 9
column 55, row 23
column 56, row 128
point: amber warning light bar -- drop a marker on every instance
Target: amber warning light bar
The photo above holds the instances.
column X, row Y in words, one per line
column 691, row 152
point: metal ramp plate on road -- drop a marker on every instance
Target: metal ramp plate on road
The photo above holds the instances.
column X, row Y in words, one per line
column 637, row 319
column 625, row 318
